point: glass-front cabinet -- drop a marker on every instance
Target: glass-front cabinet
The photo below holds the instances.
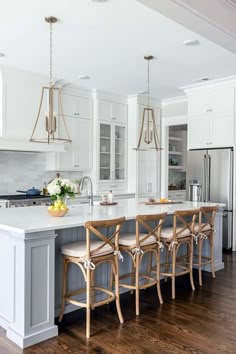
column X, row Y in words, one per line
column 112, row 152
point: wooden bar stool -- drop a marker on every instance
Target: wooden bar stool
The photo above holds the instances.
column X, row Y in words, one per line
column 181, row 233
column 204, row 230
column 87, row 255
column 136, row 245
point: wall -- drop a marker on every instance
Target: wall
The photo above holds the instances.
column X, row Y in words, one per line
column 23, row 170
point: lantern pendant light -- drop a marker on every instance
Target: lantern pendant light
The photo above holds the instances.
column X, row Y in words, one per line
column 47, row 123
column 148, row 132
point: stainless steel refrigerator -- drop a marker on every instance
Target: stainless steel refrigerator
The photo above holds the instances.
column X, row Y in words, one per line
column 213, row 169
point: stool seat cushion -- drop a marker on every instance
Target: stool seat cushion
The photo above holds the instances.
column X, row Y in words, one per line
column 129, row 239
column 78, row 249
column 207, row 227
column 167, row 232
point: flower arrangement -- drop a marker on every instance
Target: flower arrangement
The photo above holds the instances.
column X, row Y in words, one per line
column 60, row 188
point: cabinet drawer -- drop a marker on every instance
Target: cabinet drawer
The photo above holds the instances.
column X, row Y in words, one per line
column 105, row 187
column 177, row 195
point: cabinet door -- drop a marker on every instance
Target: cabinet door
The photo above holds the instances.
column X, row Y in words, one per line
column 65, row 160
column 222, row 131
column 198, row 103
column 84, row 108
column 120, row 153
column 83, row 144
column 222, row 101
column 222, row 117
column 69, row 104
column 105, row 110
column 199, row 132
column 119, row 112
column 75, row 106
column 105, row 151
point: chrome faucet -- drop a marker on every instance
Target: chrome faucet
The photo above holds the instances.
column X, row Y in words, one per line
column 90, row 194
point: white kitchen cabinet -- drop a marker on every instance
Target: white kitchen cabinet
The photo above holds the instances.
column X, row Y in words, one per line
column 211, row 118
column 78, row 155
column 178, row 195
column 76, row 106
column 112, row 111
column 112, row 156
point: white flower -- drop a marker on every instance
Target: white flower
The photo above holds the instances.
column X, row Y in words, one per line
column 62, row 187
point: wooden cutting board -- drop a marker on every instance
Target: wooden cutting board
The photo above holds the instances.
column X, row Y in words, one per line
column 162, row 203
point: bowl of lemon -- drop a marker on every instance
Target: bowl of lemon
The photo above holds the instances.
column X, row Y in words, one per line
column 58, row 209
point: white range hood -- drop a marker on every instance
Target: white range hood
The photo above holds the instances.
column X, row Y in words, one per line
column 7, row 144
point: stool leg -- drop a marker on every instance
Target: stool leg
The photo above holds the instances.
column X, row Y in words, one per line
column 158, row 276
column 212, row 256
column 117, row 292
column 166, row 261
column 200, row 241
column 88, row 289
column 173, row 271
column 111, row 278
column 64, row 272
column 137, row 284
column 133, row 274
column 93, row 291
column 191, row 263
column 149, row 265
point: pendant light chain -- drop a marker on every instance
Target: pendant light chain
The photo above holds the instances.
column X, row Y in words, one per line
column 50, row 53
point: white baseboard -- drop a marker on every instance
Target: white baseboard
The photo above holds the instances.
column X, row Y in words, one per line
column 27, row 341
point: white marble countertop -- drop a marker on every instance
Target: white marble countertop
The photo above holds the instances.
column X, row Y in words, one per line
column 25, row 220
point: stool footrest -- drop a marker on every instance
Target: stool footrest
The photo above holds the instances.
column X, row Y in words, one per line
column 111, row 297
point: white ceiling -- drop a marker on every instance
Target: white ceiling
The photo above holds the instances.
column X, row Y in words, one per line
column 213, row 19
column 108, row 41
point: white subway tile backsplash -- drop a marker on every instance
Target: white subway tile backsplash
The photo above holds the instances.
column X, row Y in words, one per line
column 24, row 170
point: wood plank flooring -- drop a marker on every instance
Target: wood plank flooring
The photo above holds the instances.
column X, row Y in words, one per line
column 197, row 322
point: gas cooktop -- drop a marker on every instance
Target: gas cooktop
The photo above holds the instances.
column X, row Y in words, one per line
column 23, row 196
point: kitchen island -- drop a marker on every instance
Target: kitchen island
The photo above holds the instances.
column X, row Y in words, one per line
column 30, row 260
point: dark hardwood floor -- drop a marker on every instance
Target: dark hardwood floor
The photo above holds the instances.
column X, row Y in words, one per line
column 203, row 321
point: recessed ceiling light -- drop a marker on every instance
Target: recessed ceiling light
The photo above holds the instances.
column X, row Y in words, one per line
column 2, row 55
column 192, row 42
column 100, row 0
column 84, row 77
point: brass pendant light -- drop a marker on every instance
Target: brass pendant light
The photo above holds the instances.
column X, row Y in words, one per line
column 47, row 123
column 148, row 132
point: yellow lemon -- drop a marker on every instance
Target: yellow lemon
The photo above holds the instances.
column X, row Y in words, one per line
column 58, row 204
column 63, row 207
column 51, row 207
column 56, row 208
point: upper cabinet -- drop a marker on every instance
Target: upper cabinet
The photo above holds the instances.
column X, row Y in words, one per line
column 110, row 155
column 76, row 107
column 112, row 111
column 78, row 118
column 211, row 117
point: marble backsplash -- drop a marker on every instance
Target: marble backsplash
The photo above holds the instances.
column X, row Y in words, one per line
column 24, row 170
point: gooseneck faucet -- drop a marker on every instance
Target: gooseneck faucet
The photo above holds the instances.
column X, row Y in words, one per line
column 90, row 194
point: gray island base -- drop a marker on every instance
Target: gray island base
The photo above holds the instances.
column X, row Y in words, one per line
column 30, row 259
